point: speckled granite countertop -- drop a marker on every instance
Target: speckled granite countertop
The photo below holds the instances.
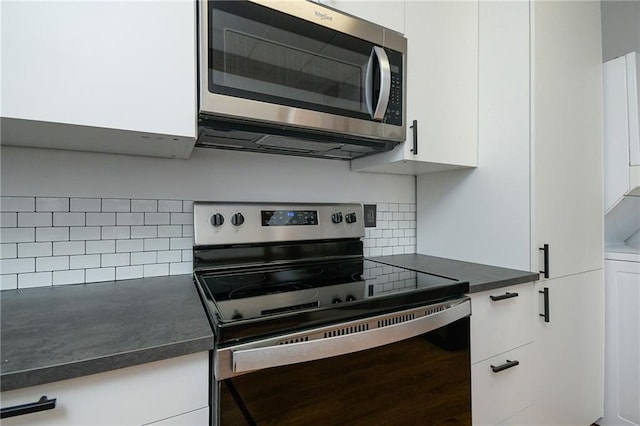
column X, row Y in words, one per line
column 56, row 333
column 481, row 277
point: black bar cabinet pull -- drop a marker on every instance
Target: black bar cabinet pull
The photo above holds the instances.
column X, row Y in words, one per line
column 43, row 404
column 414, row 126
column 507, row 295
column 545, row 292
column 545, row 249
column 504, row 366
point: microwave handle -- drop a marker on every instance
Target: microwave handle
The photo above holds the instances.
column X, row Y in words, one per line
column 378, row 54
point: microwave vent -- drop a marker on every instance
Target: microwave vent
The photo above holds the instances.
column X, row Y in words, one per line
column 296, row 144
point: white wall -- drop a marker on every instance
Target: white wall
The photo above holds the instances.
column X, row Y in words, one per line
column 620, row 28
column 209, row 174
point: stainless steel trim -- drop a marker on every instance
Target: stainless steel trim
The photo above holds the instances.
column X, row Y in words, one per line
column 314, row 345
column 231, row 107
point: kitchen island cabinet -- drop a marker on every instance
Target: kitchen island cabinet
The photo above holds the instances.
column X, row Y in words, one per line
column 116, row 77
column 442, row 91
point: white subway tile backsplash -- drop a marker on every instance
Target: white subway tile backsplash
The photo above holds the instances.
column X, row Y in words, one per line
column 187, row 255
column 84, row 233
column 170, row 231
column 27, row 220
column 74, row 240
column 129, row 219
column 116, row 232
column 8, row 250
column 150, row 231
column 181, row 243
column 157, row 270
column 17, row 266
column 156, row 219
column 38, row 279
column 35, row 249
column 52, row 234
column 114, row 259
column 84, row 261
column 18, row 204
column 54, row 263
column 144, row 258
column 169, row 256
column 49, row 204
column 129, row 245
column 182, row 218
column 68, row 248
column 86, row 205
column 180, row 268
column 100, row 274
column 170, row 206
column 8, row 220
column 68, row 219
column 104, row 246
column 116, row 205
column 129, row 272
column 68, row 277
column 101, row 219
column 144, row 205
column 8, row 282
column 154, row 244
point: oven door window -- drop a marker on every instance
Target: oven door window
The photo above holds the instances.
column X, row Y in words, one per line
column 422, row 380
column 259, row 53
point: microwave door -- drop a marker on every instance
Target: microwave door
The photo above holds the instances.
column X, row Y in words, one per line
column 378, row 83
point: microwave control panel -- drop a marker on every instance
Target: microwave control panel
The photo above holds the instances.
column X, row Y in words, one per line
column 394, row 109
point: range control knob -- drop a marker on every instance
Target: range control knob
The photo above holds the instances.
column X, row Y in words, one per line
column 350, row 217
column 350, row 298
column 237, row 219
column 236, row 315
column 336, row 300
column 336, row 217
column 217, row 220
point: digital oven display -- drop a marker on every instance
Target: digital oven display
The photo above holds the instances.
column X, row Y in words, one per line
column 289, row 217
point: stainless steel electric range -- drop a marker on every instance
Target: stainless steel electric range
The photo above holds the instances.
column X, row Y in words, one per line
column 308, row 331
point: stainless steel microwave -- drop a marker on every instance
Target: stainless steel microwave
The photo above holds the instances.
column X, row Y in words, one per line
column 297, row 77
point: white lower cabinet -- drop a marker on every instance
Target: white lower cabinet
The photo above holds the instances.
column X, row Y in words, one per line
column 525, row 417
column 174, row 391
column 502, row 355
column 498, row 395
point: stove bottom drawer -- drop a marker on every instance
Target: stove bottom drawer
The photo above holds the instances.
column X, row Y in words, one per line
column 502, row 386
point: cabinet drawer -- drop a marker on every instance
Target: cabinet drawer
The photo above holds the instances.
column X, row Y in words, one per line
column 497, row 396
column 128, row 396
column 499, row 322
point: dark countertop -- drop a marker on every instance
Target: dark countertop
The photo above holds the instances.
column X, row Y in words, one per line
column 481, row 277
column 56, row 333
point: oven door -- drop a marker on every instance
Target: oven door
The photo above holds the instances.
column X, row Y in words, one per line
column 406, row 370
column 293, row 62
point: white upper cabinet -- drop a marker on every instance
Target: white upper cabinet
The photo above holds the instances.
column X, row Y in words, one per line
column 387, row 13
column 100, row 76
column 442, row 91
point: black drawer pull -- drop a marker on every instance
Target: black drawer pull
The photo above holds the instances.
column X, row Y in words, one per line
column 507, row 295
column 43, row 404
column 545, row 293
column 504, row 366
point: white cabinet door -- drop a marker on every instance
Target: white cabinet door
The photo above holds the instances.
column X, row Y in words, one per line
column 387, row 13
column 567, row 135
column 129, row 66
column 128, row 396
column 442, row 90
column 570, row 351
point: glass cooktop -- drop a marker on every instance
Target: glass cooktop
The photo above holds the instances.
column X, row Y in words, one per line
column 254, row 302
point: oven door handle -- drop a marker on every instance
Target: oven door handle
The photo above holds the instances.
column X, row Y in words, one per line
column 246, row 360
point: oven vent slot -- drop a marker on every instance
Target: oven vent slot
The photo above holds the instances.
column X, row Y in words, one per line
column 396, row 320
column 434, row 310
column 346, row 330
column 296, row 340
